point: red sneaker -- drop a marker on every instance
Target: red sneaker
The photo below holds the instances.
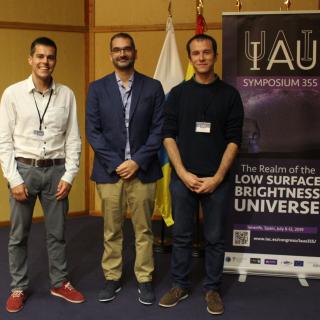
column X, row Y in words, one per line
column 68, row 292
column 15, row 301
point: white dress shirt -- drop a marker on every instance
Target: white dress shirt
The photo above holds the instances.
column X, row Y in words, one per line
column 19, row 122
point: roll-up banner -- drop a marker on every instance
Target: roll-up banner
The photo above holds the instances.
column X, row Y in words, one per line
column 273, row 222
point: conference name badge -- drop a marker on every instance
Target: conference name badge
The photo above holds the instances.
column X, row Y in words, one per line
column 203, row 127
column 38, row 133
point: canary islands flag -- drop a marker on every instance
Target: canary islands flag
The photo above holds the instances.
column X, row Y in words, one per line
column 169, row 72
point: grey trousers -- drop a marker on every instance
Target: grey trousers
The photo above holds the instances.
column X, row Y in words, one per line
column 41, row 183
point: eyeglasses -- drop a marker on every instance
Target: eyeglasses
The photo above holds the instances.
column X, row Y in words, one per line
column 124, row 49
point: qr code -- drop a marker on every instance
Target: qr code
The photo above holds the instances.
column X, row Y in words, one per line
column 241, row 238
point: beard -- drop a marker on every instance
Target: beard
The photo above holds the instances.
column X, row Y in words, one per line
column 123, row 63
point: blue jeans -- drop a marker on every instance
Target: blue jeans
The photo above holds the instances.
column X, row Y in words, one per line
column 185, row 204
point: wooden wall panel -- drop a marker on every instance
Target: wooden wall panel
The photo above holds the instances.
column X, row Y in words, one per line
column 151, row 12
column 65, row 12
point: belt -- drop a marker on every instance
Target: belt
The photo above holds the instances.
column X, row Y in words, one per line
column 41, row 162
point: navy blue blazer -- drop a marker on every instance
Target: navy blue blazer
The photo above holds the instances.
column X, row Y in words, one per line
column 106, row 132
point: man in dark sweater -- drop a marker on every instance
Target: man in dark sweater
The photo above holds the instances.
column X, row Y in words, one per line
column 202, row 134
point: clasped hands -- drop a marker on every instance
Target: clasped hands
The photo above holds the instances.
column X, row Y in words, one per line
column 200, row 185
column 127, row 169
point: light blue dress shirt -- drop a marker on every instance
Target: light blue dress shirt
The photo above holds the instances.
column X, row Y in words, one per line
column 126, row 94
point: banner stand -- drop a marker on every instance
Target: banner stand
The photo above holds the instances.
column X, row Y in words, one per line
column 273, row 59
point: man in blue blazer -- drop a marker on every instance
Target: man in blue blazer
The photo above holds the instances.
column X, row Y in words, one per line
column 123, row 126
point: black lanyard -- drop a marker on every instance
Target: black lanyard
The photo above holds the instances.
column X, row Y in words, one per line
column 45, row 110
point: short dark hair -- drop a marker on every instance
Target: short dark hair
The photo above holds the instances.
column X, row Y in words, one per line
column 42, row 41
column 201, row 37
column 125, row 36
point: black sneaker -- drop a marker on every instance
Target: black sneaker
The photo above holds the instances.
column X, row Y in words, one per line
column 146, row 294
column 108, row 293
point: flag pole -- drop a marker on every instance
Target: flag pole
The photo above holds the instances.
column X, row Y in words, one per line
column 239, row 5
column 169, row 9
column 287, row 4
column 201, row 27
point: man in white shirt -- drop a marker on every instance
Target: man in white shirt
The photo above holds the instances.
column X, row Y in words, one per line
column 39, row 154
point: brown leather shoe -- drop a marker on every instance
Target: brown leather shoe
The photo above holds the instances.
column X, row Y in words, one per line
column 172, row 297
column 214, row 302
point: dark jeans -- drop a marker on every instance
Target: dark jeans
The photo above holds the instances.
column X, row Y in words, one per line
column 185, row 204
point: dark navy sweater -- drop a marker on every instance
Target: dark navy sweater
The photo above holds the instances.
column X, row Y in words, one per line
column 191, row 102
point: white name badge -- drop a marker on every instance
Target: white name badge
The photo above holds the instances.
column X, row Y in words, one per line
column 203, row 127
column 38, row 133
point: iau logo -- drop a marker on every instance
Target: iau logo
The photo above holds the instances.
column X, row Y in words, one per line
column 300, row 54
